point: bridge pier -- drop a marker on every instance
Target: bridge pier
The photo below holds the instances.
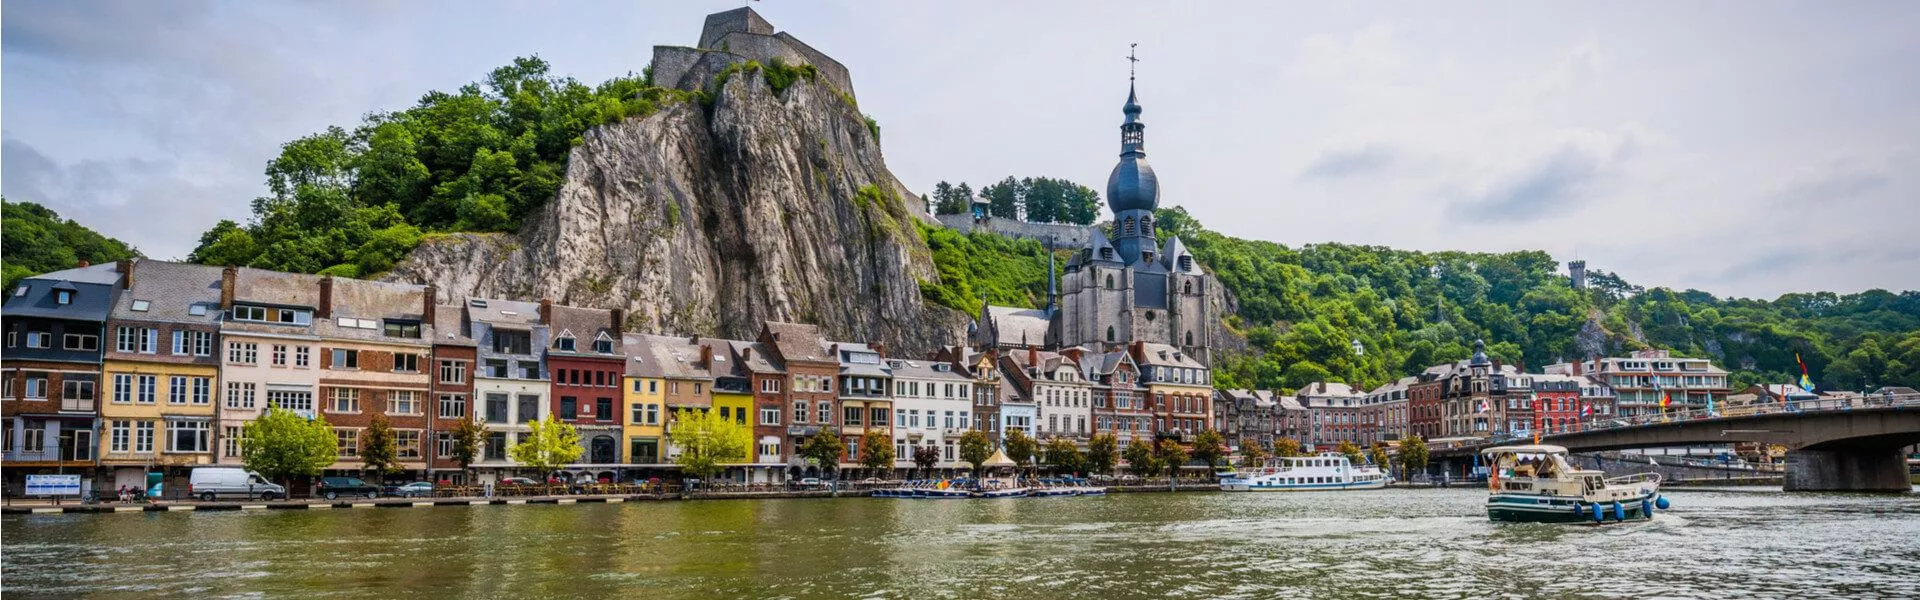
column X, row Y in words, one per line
column 1851, row 470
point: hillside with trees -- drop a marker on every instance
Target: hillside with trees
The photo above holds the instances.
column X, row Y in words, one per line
column 34, row 240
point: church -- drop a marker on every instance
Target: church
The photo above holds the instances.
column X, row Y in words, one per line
column 1124, row 285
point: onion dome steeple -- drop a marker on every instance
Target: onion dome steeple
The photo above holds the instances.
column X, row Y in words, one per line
column 1133, row 192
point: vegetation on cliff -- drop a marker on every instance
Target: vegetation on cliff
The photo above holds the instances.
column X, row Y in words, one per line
column 479, row 159
column 1005, row 271
column 35, row 240
column 1033, row 199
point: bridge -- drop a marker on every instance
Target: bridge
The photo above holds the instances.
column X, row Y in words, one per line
column 1832, row 445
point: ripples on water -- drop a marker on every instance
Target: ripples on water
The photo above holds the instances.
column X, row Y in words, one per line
column 1388, row 543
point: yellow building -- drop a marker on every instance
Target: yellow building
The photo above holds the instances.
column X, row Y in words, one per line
column 644, row 398
column 160, row 381
column 736, row 406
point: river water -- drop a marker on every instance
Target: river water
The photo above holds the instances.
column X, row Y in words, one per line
column 1385, row 543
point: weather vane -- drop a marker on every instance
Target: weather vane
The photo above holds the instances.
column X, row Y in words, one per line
column 1132, row 61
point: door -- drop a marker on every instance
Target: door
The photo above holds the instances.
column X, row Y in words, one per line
column 603, row 451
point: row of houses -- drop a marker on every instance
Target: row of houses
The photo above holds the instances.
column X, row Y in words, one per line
column 120, row 370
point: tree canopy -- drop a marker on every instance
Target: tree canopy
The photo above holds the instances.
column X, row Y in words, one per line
column 282, row 444
column 707, row 441
column 35, row 240
column 548, row 444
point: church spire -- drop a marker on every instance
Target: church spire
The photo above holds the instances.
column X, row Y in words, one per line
column 1132, row 131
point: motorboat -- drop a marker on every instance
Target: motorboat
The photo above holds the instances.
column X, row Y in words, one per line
column 1534, row 483
column 1327, row 472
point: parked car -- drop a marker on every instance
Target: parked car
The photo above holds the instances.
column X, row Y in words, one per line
column 518, row 481
column 810, row 482
column 332, row 488
column 411, row 490
column 210, row 483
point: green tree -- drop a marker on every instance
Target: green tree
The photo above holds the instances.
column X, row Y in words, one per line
column 548, row 444
column 975, row 449
column 1102, row 453
column 379, row 449
column 1171, row 455
column 876, row 450
column 1140, row 458
column 708, row 441
column 1352, row 452
column 1379, row 455
column 468, row 438
column 1064, row 457
column 1003, row 199
column 1020, row 447
column 282, row 444
column 1286, row 447
column 925, row 457
column 34, row 240
column 824, row 449
column 1252, row 454
column 1209, row 447
column 1413, row 456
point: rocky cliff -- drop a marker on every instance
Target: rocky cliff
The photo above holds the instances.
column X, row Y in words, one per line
column 710, row 219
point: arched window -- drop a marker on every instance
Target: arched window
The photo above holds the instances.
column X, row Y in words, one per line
column 1187, row 287
column 1129, row 226
column 1146, row 224
column 1109, row 281
column 1189, row 338
column 1109, row 327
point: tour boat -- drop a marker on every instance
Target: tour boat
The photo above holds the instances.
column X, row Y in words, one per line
column 1536, row 484
column 1328, row 471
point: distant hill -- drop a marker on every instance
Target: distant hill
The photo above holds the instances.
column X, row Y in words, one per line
column 35, row 240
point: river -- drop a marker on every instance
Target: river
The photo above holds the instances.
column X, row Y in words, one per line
column 1385, row 543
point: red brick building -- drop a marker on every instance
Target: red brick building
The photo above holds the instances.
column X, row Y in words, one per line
column 451, row 388
column 586, row 362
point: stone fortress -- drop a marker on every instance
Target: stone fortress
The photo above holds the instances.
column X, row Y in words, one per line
column 738, row 36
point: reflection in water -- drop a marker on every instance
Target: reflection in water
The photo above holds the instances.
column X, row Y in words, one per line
column 1387, row 543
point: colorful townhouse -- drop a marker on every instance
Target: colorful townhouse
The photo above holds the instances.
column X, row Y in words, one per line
column 1334, row 410
column 162, row 373
column 681, row 364
column 50, row 400
column 1017, row 408
column 1178, row 388
column 733, row 397
column 1114, row 380
column 866, row 395
column 1061, row 393
column 1556, row 403
column 983, row 368
column 932, row 406
column 811, row 372
column 511, row 388
column 269, row 350
column 452, row 386
column 375, row 359
column 587, row 363
column 644, row 400
column 768, row 380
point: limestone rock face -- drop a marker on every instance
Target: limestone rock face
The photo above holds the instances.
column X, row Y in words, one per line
column 708, row 220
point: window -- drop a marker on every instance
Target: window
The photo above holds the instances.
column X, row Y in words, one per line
column 146, row 391
column 800, row 411
column 406, row 442
column 496, row 408
column 850, row 416
column 826, row 413
column 39, row 339
column 453, row 371
column 346, row 359
column 125, row 339
column 512, row 342
column 245, row 353
column 230, row 441
column 529, row 369
column 77, row 387
column 603, row 409
column 143, row 437
column 348, row 441
column 294, row 400
column 496, row 448
column 877, row 416
column 769, row 416
column 453, row 406
column 406, row 363
column 120, row 438
column 569, row 407
column 302, row 356
column 82, row 342
column 496, row 368
column 278, row 355
column 653, row 414
column 402, row 329
column 63, row 296
column 177, row 390
column 344, row 400
column 603, row 346
column 240, row 394
column 198, row 310
column 189, row 436
column 403, row 402
column 36, row 386
column 529, row 408
column 563, row 343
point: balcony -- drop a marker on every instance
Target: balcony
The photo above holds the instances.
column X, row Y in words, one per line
column 80, row 406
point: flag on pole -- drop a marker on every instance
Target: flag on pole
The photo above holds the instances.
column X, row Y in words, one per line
column 1483, row 406
column 1806, row 383
column 1666, row 399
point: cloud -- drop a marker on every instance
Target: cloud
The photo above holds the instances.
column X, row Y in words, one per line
column 1557, row 182
column 147, row 203
column 1839, row 181
column 1363, row 160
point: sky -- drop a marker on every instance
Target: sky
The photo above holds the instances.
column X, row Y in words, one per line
column 1742, row 148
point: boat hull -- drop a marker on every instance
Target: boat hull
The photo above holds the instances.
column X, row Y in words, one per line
column 1243, row 486
column 1538, row 509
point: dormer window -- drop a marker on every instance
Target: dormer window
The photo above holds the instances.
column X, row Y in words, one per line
column 564, row 343
column 63, row 296
column 402, row 329
column 603, row 345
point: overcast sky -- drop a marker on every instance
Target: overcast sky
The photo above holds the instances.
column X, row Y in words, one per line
column 1743, row 148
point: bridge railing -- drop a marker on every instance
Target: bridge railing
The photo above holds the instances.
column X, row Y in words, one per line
column 1818, row 405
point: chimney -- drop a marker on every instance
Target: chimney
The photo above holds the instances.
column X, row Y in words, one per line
column 546, row 311
column 326, row 298
column 706, row 356
column 746, row 354
column 1033, row 357
column 1074, row 353
column 1576, row 367
column 428, row 305
column 879, row 348
column 619, row 320
column 84, row 263
column 1496, row 366
column 1139, row 350
column 125, row 267
column 227, row 276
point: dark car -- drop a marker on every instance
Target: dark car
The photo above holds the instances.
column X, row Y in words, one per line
column 334, row 487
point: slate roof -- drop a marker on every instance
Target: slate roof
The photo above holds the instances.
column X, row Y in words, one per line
column 377, row 301
column 756, row 357
column 449, row 327
column 924, row 369
column 504, row 312
column 92, row 300
column 586, row 325
column 260, row 286
column 853, row 368
column 170, row 290
column 1157, row 354
column 798, row 341
column 1018, row 326
column 661, row 356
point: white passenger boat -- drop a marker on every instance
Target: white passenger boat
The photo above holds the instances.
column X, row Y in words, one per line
column 1328, row 471
column 1535, row 484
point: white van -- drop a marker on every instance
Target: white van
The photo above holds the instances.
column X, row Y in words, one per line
column 209, row 483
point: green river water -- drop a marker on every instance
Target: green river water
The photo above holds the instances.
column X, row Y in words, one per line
column 1384, row 543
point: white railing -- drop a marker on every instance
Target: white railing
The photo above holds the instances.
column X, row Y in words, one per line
column 1819, row 405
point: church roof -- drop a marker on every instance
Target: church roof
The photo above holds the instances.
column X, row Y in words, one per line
column 1132, row 185
column 1018, row 326
column 1170, row 255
